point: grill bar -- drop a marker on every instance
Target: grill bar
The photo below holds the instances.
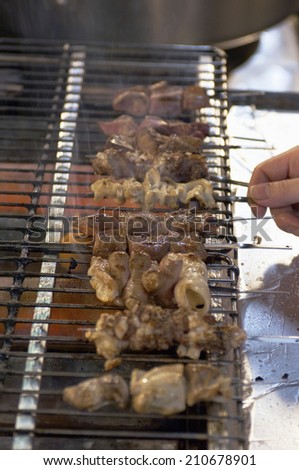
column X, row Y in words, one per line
column 39, row 331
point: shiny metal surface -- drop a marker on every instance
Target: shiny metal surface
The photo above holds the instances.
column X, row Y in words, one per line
column 225, row 23
column 272, row 366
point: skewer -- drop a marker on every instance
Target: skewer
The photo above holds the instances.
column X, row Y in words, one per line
column 275, row 339
column 234, row 290
column 225, row 246
column 225, row 179
column 231, row 198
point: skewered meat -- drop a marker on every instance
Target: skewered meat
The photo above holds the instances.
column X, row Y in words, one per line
column 93, row 394
column 185, row 229
column 181, row 166
column 158, row 272
column 175, row 157
column 164, row 390
column 160, row 99
column 110, row 276
column 153, row 192
column 150, row 327
column 180, row 279
column 160, row 390
column 206, row 383
column 126, row 126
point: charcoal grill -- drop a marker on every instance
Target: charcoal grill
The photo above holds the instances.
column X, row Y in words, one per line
column 51, row 101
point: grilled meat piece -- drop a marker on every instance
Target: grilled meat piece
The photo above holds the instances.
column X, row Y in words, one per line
column 150, row 328
column 93, row 394
column 109, row 277
column 122, row 190
column 181, row 128
column 180, row 280
column 123, row 125
column 128, row 164
column 155, row 247
column 134, row 291
column 160, row 390
column 192, row 290
column 206, row 383
column 194, row 97
column 200, row 337
column 189, row 245
column 153, row 192
column 166, row 100
column 108, row 241
column 133, row 101
column 185, row 143
column 180, row 166
column 164, row 277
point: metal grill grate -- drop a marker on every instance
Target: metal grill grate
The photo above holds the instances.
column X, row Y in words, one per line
column 51, row 100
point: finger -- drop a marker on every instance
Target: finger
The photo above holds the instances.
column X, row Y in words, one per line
column 286, row 219
column 276, row 194
column 258, row 211
column 283, row 166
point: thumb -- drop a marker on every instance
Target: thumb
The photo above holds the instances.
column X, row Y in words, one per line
column 276, row 194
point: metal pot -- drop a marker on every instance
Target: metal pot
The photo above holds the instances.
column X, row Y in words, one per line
column 226, row 23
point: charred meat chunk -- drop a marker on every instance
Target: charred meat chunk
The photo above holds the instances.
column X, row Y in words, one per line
column 175, row 157
column 152, row 328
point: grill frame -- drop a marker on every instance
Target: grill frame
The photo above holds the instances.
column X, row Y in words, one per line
column 216, row 426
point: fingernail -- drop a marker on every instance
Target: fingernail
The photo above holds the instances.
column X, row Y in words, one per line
column 260, row 192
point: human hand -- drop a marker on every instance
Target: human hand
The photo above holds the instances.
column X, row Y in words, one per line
column 275, row 184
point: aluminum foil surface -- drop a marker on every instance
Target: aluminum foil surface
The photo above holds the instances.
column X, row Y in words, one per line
column 271, row 367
